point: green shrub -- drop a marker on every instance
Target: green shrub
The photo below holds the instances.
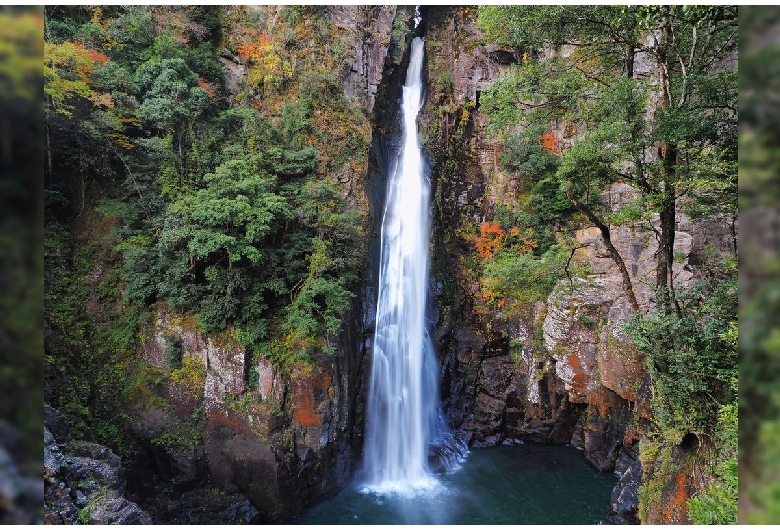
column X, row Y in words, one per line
column 690, row 357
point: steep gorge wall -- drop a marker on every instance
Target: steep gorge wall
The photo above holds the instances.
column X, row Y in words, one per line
column 560, row 371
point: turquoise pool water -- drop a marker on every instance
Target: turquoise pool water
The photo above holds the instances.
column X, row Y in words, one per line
column 524, row 484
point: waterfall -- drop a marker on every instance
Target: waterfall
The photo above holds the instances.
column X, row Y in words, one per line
column 404, row 422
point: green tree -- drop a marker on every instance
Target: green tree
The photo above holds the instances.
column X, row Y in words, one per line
column 171, row 104
column 592, row 86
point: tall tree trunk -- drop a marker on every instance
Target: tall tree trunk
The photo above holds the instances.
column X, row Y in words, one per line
column 628, row 63
column 665, row 256
column 628, row 287
column 48, row 148
column 7, row 143
column 627, row 34
column 667, row 152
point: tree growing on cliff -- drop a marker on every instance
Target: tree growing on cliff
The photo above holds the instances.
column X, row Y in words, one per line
column 644, row 96
column 667, row 127
column 226, row 210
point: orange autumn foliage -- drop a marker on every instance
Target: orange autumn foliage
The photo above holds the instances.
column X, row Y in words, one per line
column 80, row 56
column 493, row 239
column 523, row 241
column 85, row 59
column 97, row 57
column 550, row 143
column 490, row 240
column 256, row 49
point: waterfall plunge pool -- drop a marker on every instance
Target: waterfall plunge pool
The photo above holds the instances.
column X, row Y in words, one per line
column 523, row 484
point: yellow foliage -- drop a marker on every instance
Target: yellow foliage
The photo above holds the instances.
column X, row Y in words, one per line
column 492, row 293
column 121, row 140
column 191, row 376
column 103, row 39
column 101, row 99
column 67, row 68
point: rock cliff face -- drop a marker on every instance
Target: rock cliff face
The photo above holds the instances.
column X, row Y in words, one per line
column 369, row 29
column 283, row 439
column 561, row 371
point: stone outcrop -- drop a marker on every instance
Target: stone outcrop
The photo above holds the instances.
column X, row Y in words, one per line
column 206, row 505
column 282, row 438
column 368, row 30
column 624, row 502
column 84, row 482
column 671, row 476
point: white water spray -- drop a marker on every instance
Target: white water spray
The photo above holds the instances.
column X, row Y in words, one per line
column 403, row 416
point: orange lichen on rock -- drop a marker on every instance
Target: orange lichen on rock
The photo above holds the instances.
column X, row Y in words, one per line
column 676, row 509
column 304, row 412
column 306, row 393
column 580, row 379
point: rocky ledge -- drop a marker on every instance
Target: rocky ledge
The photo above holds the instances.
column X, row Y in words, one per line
column 84, row 482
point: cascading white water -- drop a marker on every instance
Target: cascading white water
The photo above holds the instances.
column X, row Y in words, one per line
column 403, row 415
